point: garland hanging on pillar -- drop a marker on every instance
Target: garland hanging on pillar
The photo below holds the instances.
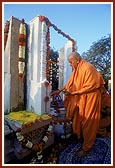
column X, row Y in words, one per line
column 6, row 31
column 48, row 54
column 48, row 23
column 22, row 45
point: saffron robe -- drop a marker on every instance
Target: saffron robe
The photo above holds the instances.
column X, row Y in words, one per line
column 105, row 120
column 84, row 107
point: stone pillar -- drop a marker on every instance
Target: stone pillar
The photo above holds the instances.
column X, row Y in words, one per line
column 13, row 86
column 61, row 67
column 37, row 91
column 64, row 67
column 7, row 74
column 7, row 79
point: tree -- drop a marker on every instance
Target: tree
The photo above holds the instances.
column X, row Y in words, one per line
column 54, row 55
column 54, row 67
column 99, row 55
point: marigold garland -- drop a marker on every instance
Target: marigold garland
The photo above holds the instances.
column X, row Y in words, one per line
column 22, row 45
column 48, row 23
column 35, row 147
column 6, row 31
column 46, row 99
column 39, row 147
column 46, row 83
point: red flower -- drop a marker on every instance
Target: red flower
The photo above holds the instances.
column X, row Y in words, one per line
column 20, row 75
column 48, row 52
column 41, row 18
column 46, row 83
column 46, row 99
column 41, row 145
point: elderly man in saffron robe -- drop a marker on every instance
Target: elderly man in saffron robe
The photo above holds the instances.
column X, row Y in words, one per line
column 83, row 100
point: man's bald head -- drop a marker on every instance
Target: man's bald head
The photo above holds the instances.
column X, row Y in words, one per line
column 75, row 55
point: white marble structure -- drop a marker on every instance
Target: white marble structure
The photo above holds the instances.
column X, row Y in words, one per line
column 64, row 67
column 7, row 75
column 36, row 90
column 13, row 86
column 36, row 68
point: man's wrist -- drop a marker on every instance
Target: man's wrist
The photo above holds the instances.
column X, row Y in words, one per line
column 75, row 93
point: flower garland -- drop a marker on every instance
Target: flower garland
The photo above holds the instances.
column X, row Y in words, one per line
column 22, row 45
column 6, row 31
column 38, row 148
column 48, row 54
column 48, row 23
column 53, row 157
column 46, row 83
column 43, row 18
column 46, row 99
column 35, row 147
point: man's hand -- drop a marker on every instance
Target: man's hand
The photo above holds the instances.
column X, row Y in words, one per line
column 56, row 92
column 67, row 93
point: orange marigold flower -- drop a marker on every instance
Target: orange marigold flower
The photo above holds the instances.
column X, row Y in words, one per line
column 41, row 18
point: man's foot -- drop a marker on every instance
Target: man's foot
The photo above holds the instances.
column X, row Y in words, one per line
column 82, row 153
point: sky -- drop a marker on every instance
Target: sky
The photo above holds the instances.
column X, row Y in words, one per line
column 84, row 22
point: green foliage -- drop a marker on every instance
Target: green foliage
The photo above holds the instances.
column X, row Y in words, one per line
column 99, row 55
column 54, row 55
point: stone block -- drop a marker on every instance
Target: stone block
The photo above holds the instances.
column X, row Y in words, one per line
column 62, row 127
column 8, row 144
column 21, row 152
column 35, row 125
